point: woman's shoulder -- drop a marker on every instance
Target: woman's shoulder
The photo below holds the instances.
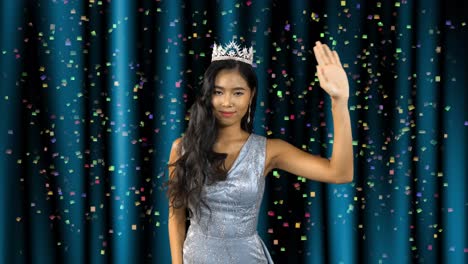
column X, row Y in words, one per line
column 275, row 145
column 266, row 138
column 176, row 144
column 270, row 143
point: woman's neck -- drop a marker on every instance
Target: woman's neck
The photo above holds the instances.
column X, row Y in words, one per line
column 230, row 133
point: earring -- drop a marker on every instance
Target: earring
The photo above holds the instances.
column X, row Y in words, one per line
column 248, row 117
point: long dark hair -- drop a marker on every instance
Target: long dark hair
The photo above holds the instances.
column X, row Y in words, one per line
column 199, row 164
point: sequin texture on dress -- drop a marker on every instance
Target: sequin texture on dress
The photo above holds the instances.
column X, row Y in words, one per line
column 230, row 235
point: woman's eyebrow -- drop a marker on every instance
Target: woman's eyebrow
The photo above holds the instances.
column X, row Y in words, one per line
column 235, row 88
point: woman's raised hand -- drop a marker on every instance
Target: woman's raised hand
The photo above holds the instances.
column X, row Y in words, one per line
column 330, row 72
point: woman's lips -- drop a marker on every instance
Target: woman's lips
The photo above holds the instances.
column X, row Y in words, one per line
column 227, row 114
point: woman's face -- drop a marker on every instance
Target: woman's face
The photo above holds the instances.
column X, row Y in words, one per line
column 231, row 97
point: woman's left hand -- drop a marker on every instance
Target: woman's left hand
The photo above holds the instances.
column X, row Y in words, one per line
column 330, row 72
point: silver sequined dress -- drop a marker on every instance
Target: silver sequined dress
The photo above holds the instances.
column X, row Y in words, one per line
column 230, row 236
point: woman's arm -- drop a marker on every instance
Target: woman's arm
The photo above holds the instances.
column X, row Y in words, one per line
column 339, row 169
column 177, row 217
column 341, row 160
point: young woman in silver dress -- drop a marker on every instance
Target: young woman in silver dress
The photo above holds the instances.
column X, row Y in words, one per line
column 217, row 169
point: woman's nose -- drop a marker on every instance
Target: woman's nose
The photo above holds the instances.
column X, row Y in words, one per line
column 227, row 100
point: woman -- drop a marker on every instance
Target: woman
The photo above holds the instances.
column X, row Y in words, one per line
column 217, row 168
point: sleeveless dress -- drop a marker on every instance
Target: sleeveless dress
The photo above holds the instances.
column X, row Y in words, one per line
column 230, row 236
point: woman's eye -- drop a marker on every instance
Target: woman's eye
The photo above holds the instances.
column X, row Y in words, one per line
column 217, row 92
column 239, row 93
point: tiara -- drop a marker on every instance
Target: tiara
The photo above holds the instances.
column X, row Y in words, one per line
column 232, row 51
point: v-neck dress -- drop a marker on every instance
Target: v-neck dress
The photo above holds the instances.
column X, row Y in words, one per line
column 230, row 235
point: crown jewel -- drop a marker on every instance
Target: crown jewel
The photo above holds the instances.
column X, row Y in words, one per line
column 232, row 51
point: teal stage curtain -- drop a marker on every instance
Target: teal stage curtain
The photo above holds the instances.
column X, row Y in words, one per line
column 94, row 92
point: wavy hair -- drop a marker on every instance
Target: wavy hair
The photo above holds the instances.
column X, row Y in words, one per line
column 199, row 164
